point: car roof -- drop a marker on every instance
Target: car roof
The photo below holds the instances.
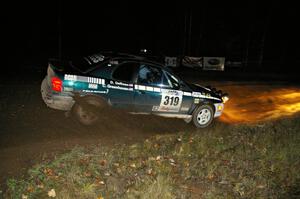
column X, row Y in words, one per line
column 86, row 64
column 126, row 56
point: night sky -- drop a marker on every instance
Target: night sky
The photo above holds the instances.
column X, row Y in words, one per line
column 32, row 31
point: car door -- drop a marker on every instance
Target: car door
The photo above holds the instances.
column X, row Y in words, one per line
column 154, row 93
column 121, row 87
column 187, row 101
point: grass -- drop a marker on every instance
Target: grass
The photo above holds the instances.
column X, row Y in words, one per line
column 243, row 161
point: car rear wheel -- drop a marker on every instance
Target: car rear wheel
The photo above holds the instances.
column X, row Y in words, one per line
column 203, row 116
column 87, row 109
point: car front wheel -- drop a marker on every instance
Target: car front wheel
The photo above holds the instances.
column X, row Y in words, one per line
column 203, row 116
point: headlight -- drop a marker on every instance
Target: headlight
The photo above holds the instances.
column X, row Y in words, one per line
column 225, row 98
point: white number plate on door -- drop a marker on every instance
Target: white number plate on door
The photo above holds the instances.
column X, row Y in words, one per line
column 170, row 101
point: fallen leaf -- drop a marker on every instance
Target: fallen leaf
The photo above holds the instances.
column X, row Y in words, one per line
column 103, row 162
column 151, row 158
column 116, row 164
column 87, row 174
column 211, row 176
column 186, row 164
column 41, row 186
column 52, row 193
column 24, row 196
column 119, row 170
column 149, row 171
column 260, row 186
column 30, row 189
column 158, row 158
column 102, row 182
column 48, row 172
column 133, row 165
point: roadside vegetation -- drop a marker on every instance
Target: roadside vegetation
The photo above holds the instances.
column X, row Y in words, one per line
column 224, row 161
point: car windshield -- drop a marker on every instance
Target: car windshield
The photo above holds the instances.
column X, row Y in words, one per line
column 176, row 79
column 173, row 80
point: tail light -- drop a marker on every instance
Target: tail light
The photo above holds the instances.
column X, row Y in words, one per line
column 56, row 84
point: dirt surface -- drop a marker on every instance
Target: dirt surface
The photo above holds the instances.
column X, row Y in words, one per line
column 30, row 131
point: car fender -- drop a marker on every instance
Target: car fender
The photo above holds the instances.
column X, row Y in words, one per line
column 78, row 97
column 202, row 102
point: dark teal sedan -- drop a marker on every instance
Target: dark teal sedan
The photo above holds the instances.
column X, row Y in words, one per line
column 87, row 85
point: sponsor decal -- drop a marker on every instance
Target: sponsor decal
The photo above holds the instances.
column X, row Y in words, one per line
column 184, row 108
column 113, row 62
column 187, row 94
column 96, row 58
column 119, row 87
column 68, row 89
column 77, row 78
column 70, row 77
column 120, row 83
column 204, row 95
column 155, row 108
column 96, row 91
column 93, row 86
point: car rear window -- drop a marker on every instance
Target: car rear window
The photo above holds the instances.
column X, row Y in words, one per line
column 88, row 63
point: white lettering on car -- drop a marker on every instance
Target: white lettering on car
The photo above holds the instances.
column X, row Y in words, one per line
column 71, row 77
column 96, row 58
column 95, row 91
column 93, row 86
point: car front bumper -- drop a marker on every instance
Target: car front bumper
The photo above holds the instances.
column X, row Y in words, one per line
column 219, row 107
column 60, row 101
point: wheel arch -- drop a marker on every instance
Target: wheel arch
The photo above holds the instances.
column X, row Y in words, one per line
column 204, row 102
column 81, row 96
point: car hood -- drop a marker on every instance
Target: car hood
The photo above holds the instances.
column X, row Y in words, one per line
column 213, row 92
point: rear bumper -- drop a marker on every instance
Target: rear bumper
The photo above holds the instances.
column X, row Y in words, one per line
column 59, row 101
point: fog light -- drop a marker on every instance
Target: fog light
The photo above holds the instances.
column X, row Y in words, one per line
column 220, row 107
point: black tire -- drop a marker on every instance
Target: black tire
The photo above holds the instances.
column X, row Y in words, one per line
column 87, row 109
column 203, row 116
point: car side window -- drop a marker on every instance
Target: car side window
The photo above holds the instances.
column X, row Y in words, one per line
column 125, row 72
column 152, row 76
column 173, row 80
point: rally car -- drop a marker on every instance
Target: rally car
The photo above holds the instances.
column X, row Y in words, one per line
column 85, row 86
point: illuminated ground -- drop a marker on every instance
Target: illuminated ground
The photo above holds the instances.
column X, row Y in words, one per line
column 30, row 131
column 253, row 103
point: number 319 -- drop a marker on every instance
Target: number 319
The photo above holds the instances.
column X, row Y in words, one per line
column 172, row 101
